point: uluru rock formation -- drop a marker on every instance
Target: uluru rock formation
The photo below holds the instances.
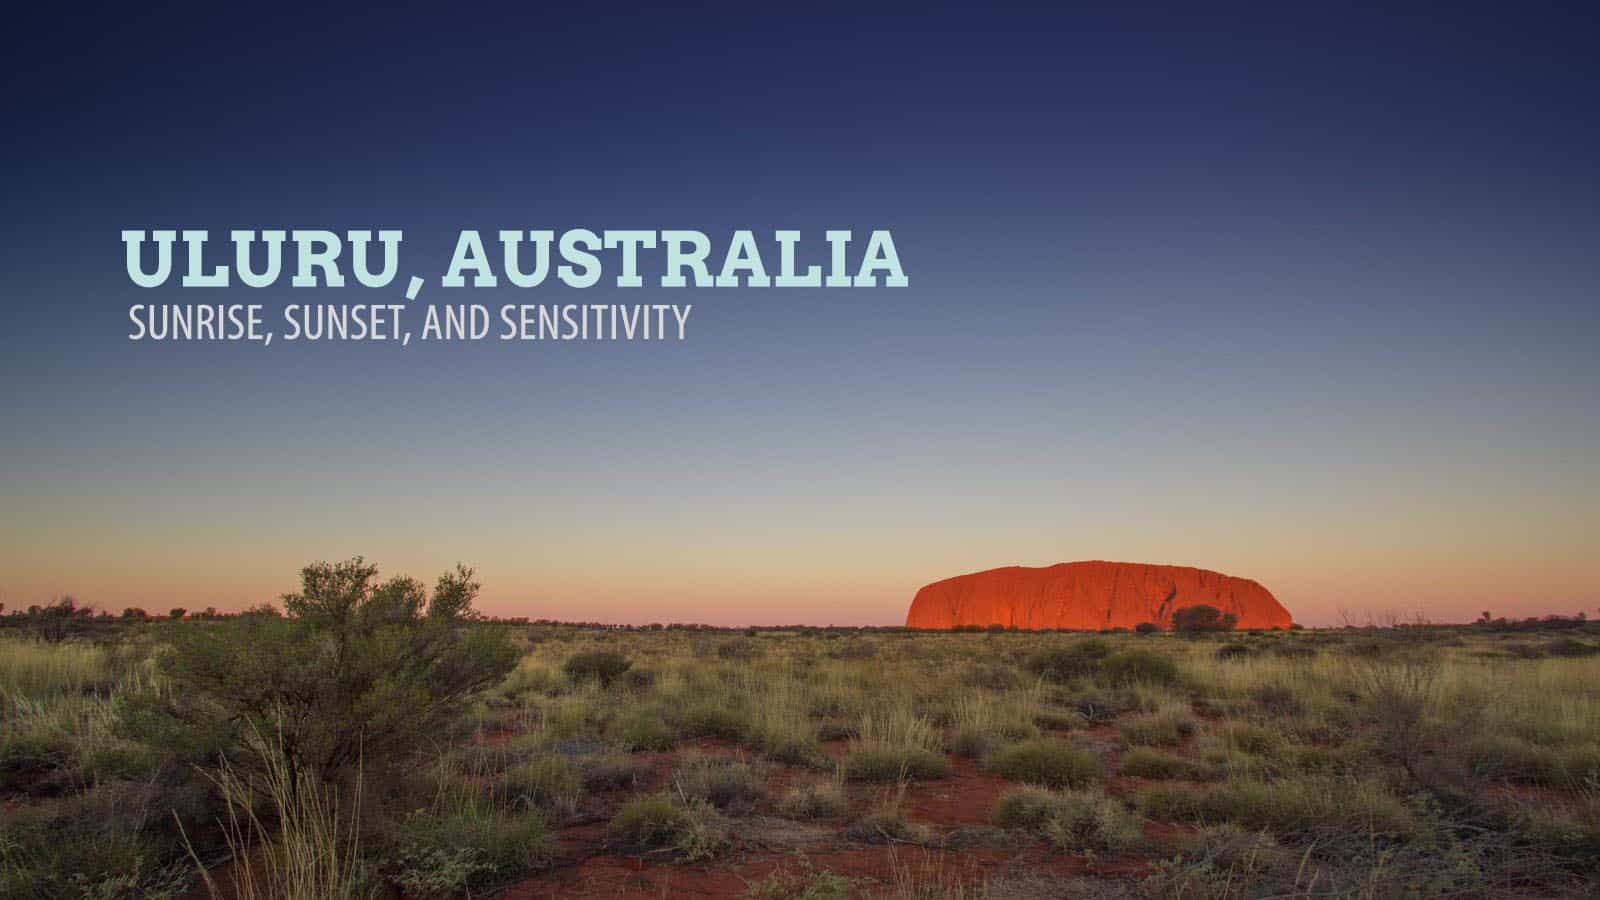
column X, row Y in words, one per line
column 1090, row 596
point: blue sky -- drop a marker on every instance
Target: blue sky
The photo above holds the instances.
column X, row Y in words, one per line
column 1297, row 295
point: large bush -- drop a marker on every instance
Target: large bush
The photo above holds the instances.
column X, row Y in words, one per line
column 1202, row 618
column 355, row 673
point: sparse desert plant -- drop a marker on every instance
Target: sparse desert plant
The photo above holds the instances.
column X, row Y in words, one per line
column 1046, row 763
column 886, row 822
column 818, row 799
column 806, row 883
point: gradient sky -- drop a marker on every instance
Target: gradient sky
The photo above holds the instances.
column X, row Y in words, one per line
column 1306, row 296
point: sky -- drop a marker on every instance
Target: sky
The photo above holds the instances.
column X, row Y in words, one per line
column 1307, row 296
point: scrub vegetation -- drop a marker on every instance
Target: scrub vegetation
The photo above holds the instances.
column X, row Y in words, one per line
column 380, row 739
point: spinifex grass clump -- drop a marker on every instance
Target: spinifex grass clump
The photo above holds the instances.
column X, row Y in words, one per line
column 731, row 785
column 1047, row 763
column 895, row 745
column 672, row 825
column 1072, row 820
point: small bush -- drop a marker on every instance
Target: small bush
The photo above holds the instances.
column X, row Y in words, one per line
column 1063, row 664
column 1291, row 808
column 1510, row 758
column 1253, row 739
column 739, row 649
column 608, row 772
column 604, row 666
column 714, row 720
column 887, row 824
column 972, row 743
column 894, row 764
column 1047, row 763
column 658, row 823
column 732, row 786
column 460, row 850
column 1146, row 762
column 645, row 729
column 1157, row 730
column 1277, row 701
column 1138, row 667
column 814, row 800
column 991, row 676
column 1234, row 651
column 1079, row 821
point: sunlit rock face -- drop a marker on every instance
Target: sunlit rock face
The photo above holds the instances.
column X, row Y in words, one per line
column 1090, row 596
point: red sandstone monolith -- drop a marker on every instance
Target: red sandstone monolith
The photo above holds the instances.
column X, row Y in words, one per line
column 1090, row 596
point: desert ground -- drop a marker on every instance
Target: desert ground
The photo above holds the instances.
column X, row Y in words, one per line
column 400, row 747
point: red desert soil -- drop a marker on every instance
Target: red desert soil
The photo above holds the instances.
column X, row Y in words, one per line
column 872, row 868
column 1090, row 596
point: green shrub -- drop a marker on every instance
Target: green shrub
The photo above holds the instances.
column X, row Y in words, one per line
column 659, row 823
column 1047, row 763
column 714, row 720
column 1511, row 758
column 356, row 673
column 604, row 666
column 92, row 844
column 1172, row 804
column 644, row 729
column 732, row 786
column 1063, row 664
column 894, row 764
column 1156, row 730
column 1138, row 667
column 972, row 743
column 808, row 884
column 796, row 750
column 1290, row 808
column 1253, row 739
column 457, row 849
column 1147, row 762
column 1079, row 821
column 1202, row 618
column 608, row 772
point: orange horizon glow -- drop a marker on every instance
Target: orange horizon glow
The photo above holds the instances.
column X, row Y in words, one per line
column 850, row 599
